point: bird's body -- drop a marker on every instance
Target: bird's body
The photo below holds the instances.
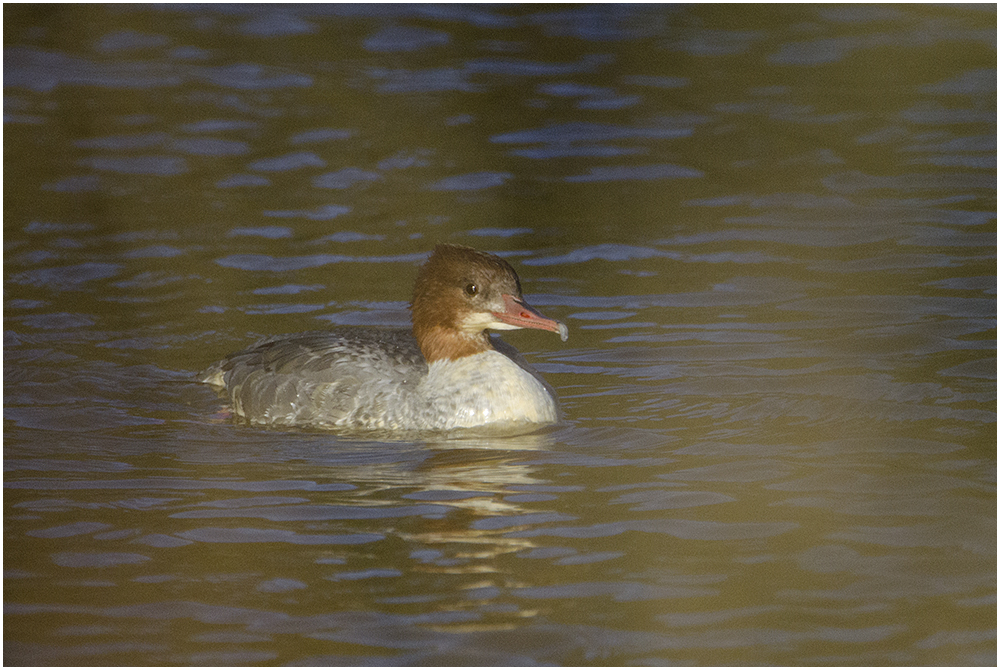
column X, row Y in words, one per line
column 445, row 374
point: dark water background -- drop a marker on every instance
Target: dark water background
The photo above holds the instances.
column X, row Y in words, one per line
column 770, row 229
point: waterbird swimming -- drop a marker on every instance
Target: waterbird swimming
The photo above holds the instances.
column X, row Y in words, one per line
column 446, row 373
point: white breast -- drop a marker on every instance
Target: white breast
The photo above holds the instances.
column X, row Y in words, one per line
column 487, row 388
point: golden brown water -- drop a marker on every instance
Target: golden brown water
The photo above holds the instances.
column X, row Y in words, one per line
column 771, row 231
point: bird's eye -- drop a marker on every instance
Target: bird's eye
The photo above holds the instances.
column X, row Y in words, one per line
column 471, row 290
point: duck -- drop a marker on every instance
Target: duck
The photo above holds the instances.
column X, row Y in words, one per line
column 445, row 373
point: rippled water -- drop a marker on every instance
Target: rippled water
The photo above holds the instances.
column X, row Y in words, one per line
column 771, row 230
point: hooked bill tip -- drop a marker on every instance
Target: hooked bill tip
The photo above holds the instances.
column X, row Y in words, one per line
column 563, row 331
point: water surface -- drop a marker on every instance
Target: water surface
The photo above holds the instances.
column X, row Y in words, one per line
column 771, row 231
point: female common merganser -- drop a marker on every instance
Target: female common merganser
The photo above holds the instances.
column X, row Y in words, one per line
column 447, row 373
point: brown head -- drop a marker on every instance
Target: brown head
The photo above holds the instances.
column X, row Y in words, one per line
column 461, row 292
